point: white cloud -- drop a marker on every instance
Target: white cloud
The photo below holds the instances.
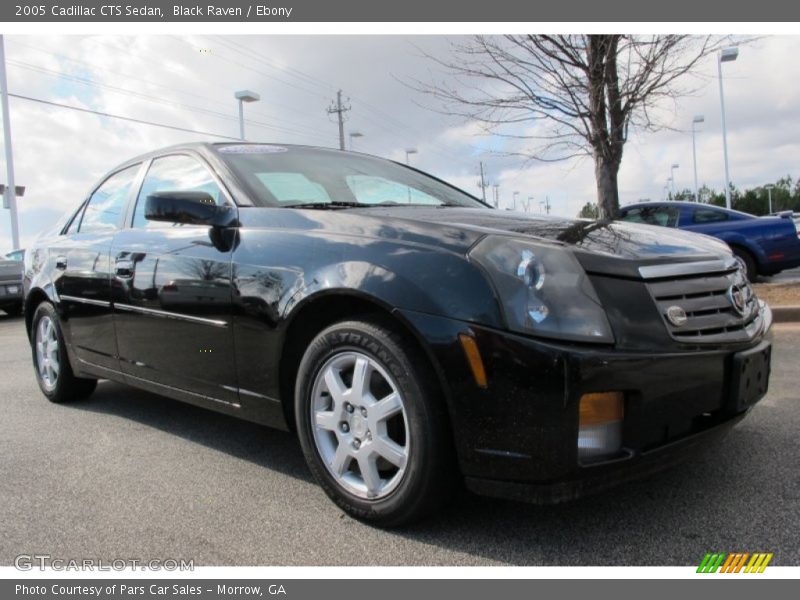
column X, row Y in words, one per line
column 59, row 153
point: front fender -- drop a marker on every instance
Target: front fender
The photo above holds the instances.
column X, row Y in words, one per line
column 448, row 285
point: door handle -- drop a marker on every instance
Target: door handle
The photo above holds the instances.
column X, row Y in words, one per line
column 61, row 263
column 124, row 269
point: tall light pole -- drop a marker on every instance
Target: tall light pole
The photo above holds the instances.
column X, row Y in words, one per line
column 409, row 152
column 769, row 187
column 725, row 55
column 9, row 197
column 697, row 119
column 354, row 134
column 672, row 177
column 244, row 96
column 514, row 197
column 496, row 188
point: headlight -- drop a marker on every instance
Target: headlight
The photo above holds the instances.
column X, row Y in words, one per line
column 543, row 289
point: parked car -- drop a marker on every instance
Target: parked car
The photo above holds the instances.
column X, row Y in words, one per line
column 411, row 335
column 11, row 282
column 766, row 245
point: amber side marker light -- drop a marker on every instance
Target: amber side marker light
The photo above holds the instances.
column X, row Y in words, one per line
column 474, row 359
column 600, row 425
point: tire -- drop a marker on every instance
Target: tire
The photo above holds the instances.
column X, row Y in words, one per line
column 749, row 262
column 55, row 378
column 420, row 477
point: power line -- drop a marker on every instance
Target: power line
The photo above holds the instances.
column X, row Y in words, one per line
column 121, row 117
column 308, row 134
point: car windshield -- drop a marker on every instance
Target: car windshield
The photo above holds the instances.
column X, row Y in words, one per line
column 286, row 176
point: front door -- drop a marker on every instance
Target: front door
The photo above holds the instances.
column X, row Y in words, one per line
column 172, row 291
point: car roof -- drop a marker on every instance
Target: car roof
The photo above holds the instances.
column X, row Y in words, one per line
column 212, row 147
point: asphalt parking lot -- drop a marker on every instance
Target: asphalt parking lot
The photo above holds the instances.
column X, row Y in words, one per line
column 127, row 474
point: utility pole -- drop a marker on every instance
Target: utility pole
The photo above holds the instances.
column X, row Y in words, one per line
column 9, row 198
column 339, row 109
column 545, row 204
column 496, row 188
column 483, row 185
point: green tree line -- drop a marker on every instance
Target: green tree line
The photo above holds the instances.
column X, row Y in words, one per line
column 755, row 201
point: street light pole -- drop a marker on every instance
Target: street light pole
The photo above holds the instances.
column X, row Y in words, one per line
column 515, row 194
column 672, row 178
column 697, row 119
column 244, row 96
column 9, row 198
column 725, row 55
column 409, row 152
column 769, row 187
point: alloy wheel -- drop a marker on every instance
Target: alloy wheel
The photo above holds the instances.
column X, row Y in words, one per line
column 47, row 354
column 360, row 425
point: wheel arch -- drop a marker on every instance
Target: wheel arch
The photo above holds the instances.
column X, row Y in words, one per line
column 33, row 299
column 316, row 312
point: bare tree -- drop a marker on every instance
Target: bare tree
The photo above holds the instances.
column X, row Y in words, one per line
column 570, row 95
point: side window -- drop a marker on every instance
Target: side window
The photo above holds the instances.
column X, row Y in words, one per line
column 709, row 215
column 377, row 190
column 178, row 173
column 108, row 202
column 663, row 216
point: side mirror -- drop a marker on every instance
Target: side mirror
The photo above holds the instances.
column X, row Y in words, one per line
column 190, row 208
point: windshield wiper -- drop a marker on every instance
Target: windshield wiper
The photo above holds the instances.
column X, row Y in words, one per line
column 327, row 205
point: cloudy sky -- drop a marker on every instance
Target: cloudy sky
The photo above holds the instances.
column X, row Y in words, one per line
column 188, row 82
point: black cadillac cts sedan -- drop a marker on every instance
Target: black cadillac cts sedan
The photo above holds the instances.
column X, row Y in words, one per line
column 413, row 337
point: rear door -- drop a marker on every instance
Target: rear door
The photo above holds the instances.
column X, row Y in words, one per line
column 172, row 290
column 81, row 268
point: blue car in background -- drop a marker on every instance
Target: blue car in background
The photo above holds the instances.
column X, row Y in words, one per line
column 766, row 245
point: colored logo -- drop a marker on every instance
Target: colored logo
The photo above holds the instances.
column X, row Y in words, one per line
column 737, row 299
column 735, row 562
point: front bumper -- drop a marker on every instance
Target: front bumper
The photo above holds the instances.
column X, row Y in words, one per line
column 518, row 436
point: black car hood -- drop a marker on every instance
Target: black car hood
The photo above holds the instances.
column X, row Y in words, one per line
column 610, row 247
column 604, row 246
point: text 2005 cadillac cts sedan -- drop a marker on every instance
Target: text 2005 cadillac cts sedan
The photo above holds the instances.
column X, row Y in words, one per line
column 411, row 335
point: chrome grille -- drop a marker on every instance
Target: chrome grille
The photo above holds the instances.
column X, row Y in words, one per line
column 719, row 307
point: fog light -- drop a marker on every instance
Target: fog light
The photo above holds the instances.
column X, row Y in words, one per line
column 600, row 425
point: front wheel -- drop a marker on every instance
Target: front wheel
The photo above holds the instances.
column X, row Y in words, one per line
column 372, row 428
column 51, row 363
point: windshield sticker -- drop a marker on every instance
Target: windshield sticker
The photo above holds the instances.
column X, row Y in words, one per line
column 252, row 149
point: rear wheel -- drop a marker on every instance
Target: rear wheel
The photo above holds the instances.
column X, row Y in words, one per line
column 51, row 364
column 371, row 426
column 748, row 262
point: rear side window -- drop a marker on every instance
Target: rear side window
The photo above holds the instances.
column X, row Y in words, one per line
column 177, row 173
column 664, row 216
column 708, row 215
column 108, row 202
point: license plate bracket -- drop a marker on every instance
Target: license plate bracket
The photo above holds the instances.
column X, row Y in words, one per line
column 750, row 376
